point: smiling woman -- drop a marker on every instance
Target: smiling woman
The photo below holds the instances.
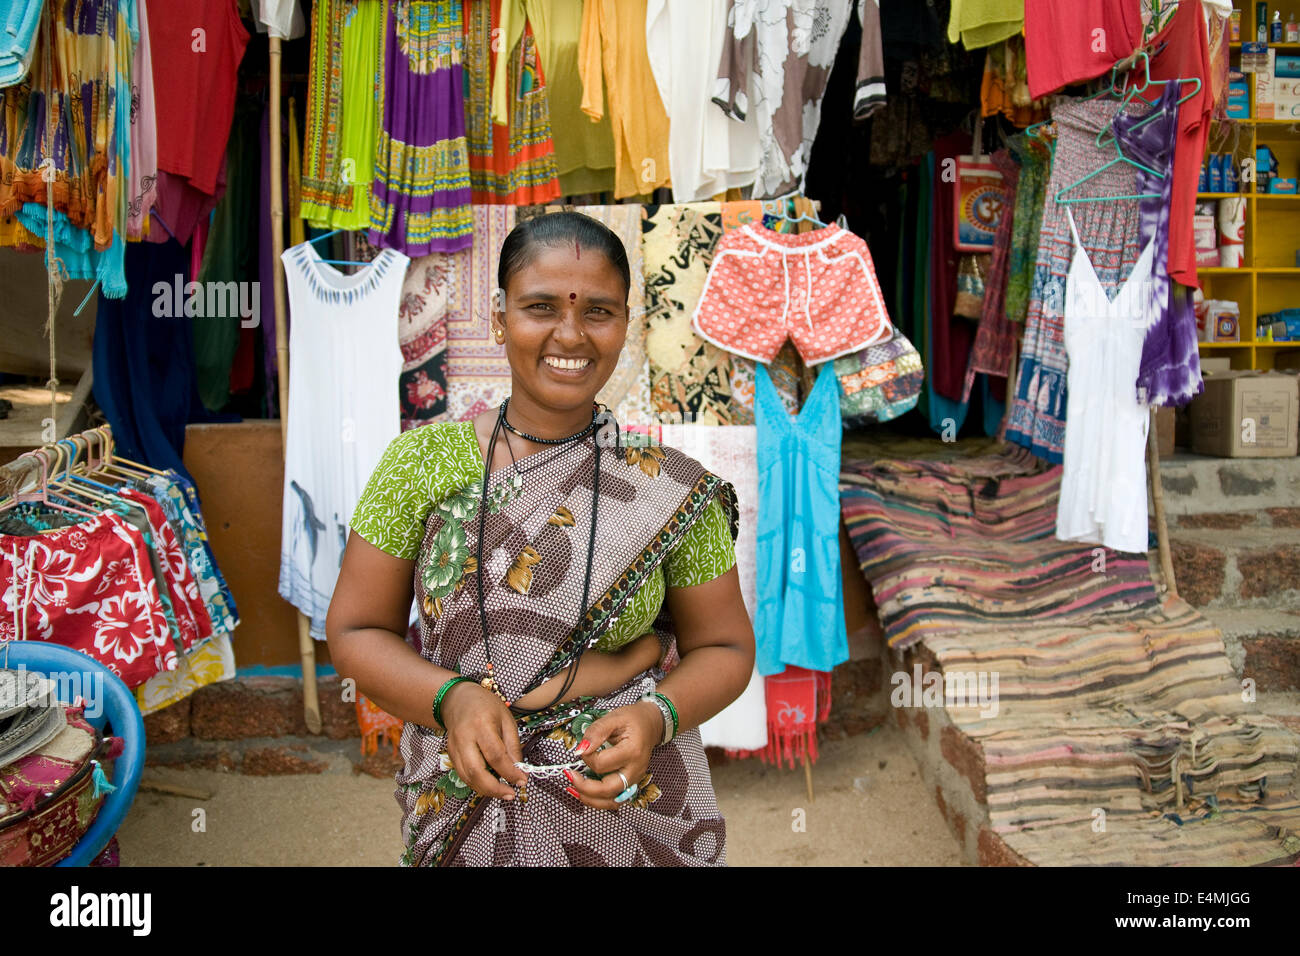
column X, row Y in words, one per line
column 569, row 544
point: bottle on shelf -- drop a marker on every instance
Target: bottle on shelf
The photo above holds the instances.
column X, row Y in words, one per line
column 1292, row 29
column 1275, row 32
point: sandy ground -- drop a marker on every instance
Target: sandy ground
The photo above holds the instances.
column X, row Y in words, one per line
column 870, row 808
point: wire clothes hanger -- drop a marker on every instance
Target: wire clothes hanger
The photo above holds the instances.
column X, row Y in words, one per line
column 1120, row 157
column 337, row 262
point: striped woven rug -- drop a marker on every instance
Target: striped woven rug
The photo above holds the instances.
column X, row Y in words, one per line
column 1120, row 734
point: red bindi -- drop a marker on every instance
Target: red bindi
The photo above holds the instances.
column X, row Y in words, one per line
column 573, row 297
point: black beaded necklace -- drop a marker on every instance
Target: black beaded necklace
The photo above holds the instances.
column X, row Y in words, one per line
column 489, row 682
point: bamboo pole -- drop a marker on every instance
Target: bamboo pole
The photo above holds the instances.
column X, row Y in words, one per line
column 306, row 646
column 1158, row 505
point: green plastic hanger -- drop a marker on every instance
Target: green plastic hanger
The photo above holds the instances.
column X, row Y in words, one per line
column 1119, row 158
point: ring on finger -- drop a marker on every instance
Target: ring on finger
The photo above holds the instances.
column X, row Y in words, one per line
column 623, row 777
column 626, row 795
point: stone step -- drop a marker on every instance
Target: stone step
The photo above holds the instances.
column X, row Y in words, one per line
column 1199, row 485
column 1247, row 567
column 1263, row 644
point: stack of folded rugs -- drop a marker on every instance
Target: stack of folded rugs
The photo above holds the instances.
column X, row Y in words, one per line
column 51, row 780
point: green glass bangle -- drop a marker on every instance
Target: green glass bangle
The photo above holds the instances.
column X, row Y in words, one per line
column 671, row 709
column 442, row 692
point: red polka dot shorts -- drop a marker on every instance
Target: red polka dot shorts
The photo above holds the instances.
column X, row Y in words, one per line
column 817, row 288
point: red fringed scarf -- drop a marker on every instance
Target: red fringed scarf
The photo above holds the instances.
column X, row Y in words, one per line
column 797, row 701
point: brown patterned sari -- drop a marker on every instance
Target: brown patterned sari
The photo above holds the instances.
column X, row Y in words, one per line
column 534, row 552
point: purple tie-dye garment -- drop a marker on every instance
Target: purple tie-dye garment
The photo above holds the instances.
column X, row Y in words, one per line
column 1170, row 373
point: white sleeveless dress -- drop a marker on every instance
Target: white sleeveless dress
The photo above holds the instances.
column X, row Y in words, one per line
column 1103, row 482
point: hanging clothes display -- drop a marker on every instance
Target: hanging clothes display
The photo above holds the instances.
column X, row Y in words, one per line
column 196, row 49
column 1103, row 495
column 343, row 412
column 690, row 379
column 708, row 152
column 143, row 181
column 347, row 43
column 615, row 68
column 1181, row 51
column 1068, row 43
column 773, row 46
column 478, row 375
column 230, row 262
column 981, row 23
column 800, row 618
column 19, row 31
column 422, row 334
column 869, row 92
column 80, row 60
column 507, row 107
column 990, row 353
column 584, row 150
column 420, row 199
column 1110, row 236
column 1170, row 369
column 143, row 355
column 817, row 288
column 1027, row 223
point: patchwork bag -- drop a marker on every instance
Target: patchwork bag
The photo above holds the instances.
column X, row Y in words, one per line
column 49, row 797
column 879, row 382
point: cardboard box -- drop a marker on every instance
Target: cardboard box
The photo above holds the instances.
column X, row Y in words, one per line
column 1247, row 414
column 1216, row 363
column 1263, row 65
column 1165, row 431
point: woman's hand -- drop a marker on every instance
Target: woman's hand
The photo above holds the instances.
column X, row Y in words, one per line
column 633, row 732
column 481, row 733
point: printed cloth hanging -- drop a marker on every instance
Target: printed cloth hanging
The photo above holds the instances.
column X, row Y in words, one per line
column 420, row 199
column 774, row 46
column 1170, row 370
column 797, row 700
column 343, row 347
column 690, row 379
column 507, row 108
column 615, row 67
column 67, row 111
column 1109, row 230
column 478, row 375
column 991, row 352
column 347, row 46
column 1027, row 221
column 422, row 334
column 708, row 152
column 143, row 180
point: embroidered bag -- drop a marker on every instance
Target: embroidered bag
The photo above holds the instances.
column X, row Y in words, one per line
column 49, row 798
column 879, row 382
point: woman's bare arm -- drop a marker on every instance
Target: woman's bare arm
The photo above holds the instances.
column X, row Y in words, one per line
column 365, row 629
column 715, row 640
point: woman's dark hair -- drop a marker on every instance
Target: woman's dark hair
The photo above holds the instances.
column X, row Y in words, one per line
column 558, row 229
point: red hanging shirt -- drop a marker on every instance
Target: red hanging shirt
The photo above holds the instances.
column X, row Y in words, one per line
column 195, row 47
column 1071, row 41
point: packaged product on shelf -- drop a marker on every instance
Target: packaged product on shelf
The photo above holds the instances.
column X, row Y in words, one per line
column 1216, row 173
column 1232, row 232
column 1282, row 186
column 1265, row 168
column 1260, row 59
column 1231, row 179
column 1205, row 235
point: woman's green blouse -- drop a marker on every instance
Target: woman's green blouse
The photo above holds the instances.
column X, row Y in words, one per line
column 423, row 466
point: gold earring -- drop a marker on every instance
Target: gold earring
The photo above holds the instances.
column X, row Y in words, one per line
column 501, row 335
